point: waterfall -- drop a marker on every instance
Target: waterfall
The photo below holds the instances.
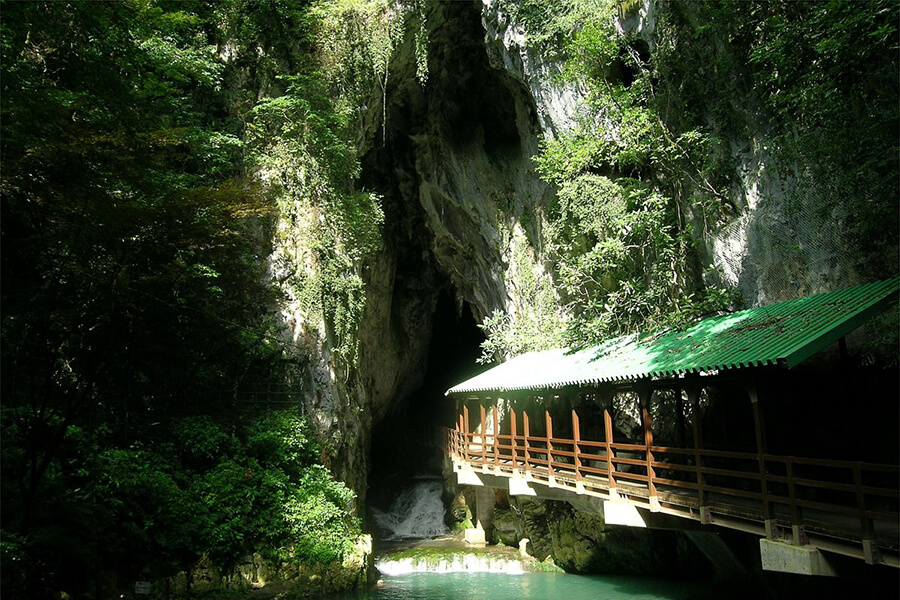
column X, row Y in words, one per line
column 451, row 561
column 416, row 513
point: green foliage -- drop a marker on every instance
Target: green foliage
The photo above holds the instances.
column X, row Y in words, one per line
column 137, row 220
column 622, row 256
column 826, row 77
column 653, row 142
column 258, row 488
column 304, row 146
column 319, row 517
column 538, row 324
column 550, row 26
column 133, row 247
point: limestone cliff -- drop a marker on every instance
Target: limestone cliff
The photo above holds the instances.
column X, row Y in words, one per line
column 452, row 162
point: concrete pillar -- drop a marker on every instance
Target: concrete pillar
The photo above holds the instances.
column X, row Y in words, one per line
column 484, row 511
column 789, row 558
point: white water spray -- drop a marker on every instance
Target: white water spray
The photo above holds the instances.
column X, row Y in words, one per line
column 416, row 513
column 452, row 563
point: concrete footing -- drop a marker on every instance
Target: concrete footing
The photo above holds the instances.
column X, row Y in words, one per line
column 475, row 536
column 788, row 558
column 622, row 513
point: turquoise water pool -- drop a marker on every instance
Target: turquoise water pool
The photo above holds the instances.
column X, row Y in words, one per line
column 529, row 586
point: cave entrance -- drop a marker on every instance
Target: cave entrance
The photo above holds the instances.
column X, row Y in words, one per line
column 406, row 442
column 405, row 495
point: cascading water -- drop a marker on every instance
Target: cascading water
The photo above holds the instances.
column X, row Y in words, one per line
column 417, row 513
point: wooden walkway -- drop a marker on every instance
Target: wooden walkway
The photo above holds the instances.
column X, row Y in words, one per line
column 850, row 508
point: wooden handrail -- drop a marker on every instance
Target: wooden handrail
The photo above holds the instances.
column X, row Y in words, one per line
column 549, row 458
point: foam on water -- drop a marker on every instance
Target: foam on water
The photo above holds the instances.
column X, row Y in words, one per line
column 457, row 563
column 417, row 513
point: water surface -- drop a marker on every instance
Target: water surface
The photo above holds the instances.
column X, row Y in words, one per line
column 529, row 586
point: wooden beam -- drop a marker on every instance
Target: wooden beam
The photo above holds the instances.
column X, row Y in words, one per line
column 608, row 434
column 526, row 433
column 644, row 394
column 866, row 526
column 496, row 429
column 466, row 430
column 549, row 443
column 576, row 437
column 693, row 394
column 513, row 432
column 482, row 432
column 761, row 451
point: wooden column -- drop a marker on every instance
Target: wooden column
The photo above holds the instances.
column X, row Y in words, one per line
column 867, row 529
column 606, row 397
column 797, row 530
column 549, row 443
column 466, row 430
column 576, row 437
column 512, row 436
column 496, row 431
column 526, row 433
column 644, row 394
column 761, row 450
column 482, row 432
column 459, row 435
column 693, row 394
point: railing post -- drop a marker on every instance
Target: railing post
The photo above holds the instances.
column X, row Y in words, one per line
column 483, row 445
column 576, row 437
column 608, row 434
column 459, row 432
column 870, row 551
column 693, row 394
column 526, row 433
column 549, row 422
column 496, row 433
column 512, row 437
column 465, row 437
column 644, row 394
column 798, row 534
column 768, row 516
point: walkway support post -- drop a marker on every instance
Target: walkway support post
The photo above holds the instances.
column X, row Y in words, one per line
column 870, row 551
column 496, row 431
column 606, row 398
column 483, row 445
column 761, row 451
column 466, row 440
column 693, row 394
column 549, row 445
column 461, row 431
column 526, row 433
column 644, row 393
column 512, row 436
column 576, row 437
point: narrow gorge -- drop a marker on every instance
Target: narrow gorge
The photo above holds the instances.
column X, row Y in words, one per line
column 248, row 247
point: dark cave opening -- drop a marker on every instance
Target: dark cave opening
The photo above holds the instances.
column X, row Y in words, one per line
column 405, row 442
column 406, row 452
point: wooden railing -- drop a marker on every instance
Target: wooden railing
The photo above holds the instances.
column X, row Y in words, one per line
column 775, row 496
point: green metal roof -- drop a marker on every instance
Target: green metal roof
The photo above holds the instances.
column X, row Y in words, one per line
column 785, row 333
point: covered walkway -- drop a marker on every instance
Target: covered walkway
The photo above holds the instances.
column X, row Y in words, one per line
column 624, row 422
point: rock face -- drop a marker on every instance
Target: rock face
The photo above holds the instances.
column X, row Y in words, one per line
column 459, row 196
column 581, row 542
column 287, row 580
column 452, row 162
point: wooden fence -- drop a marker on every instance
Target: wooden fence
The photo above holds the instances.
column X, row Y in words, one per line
column 850, row 507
